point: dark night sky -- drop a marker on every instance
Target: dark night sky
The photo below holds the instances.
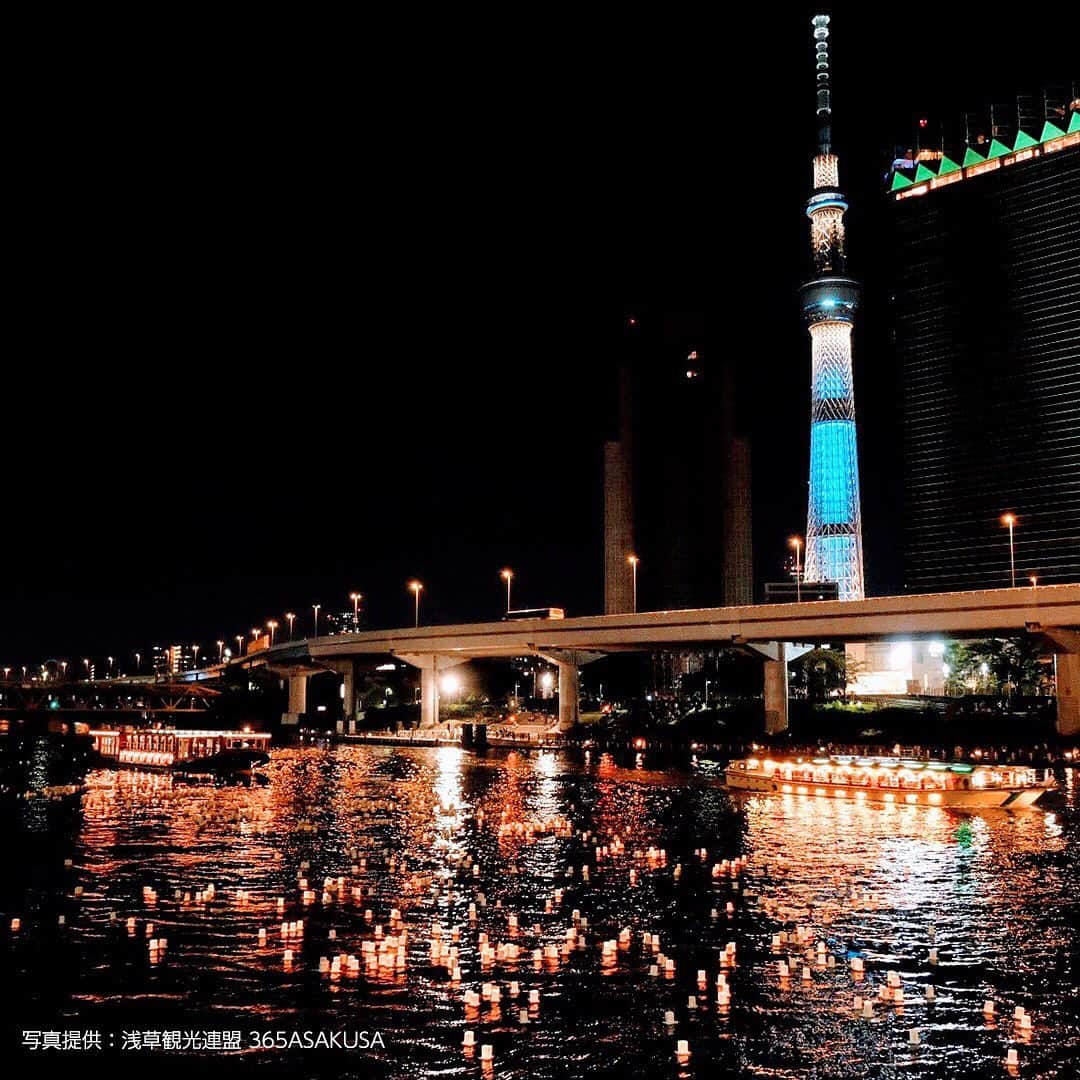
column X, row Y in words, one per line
column 298, row 323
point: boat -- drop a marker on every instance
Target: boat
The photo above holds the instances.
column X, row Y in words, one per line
column 892, row 780
column 181, row 750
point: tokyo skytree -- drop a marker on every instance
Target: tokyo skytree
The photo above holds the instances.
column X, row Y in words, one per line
column 829, row 303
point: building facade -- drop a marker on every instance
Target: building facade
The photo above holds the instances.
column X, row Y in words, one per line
column 676, row 479
column 986, row 297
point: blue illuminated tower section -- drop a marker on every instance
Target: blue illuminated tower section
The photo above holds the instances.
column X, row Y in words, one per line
column 830, row 300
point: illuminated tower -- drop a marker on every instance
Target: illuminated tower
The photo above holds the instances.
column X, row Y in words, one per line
column 830, row 300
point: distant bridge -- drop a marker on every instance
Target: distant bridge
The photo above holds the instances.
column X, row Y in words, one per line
column 779, row 632
column 131, row 695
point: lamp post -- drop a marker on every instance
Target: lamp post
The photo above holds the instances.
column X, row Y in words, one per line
column 507, row 576
column 110, row 666
column 195, row 655
column 220, row 651
column 315, row 608
column 633, row 560
column 86, row 664
column 416, row 588
column 63, row 669
column 271, row 626
column 796, row 543
column 239, row 644
column 355, row 597
column 1034, row 581
column 138, row 662
column 291, row 616
column 1010, row 520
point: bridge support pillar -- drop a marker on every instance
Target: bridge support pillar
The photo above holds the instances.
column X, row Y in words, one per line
column 348, row 699
column 347, row 670
column 568, row 694
column 429, row 694
column 297, row 699
column 431, row 665
column 1067, row 677
column 778, row 654
column 568, row 661
column 776, row 692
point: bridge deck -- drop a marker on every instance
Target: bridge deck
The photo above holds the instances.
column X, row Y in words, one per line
column 954, row 615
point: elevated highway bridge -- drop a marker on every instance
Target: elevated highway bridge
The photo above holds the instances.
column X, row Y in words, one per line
column 779, row 632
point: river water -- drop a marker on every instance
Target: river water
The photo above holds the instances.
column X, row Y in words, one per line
column 427, row 832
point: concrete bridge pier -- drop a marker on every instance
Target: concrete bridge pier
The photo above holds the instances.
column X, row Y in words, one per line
column 569, row 694
column 297, row 699
column 568, row 661
column 1067, row 677
column 347, row 670
column 431, row 666
column 1065, row 645
column 778, row 654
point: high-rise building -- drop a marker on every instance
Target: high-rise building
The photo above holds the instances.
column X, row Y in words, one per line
column 676, row 479
column 830, row 301
column 172, row 659
column 986, row 291
column 619, row 502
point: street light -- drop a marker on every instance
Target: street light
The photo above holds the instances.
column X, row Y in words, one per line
column 195, row 651
column 220, row 651
column 1010, row 520
column 508, row 576
column 1034, row 581
column 110, row 666
column 796, row 543
column 633, row 560
column 239, row 644
column 63, row 668
column 416, row 587
column 86, row 664
column 138, row 661
column 291, row 616
column 356, row 597
column 315, row 608
column 271, row 626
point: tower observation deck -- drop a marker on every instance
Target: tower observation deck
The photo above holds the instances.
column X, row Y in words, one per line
column 830, row 300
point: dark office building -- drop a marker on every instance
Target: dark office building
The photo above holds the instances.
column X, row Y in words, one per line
column 676, row 477
column 987, row 333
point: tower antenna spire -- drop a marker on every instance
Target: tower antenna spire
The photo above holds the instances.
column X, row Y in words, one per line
column 823, row 85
